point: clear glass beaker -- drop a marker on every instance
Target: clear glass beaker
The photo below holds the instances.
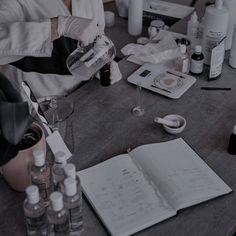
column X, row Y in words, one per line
column 86, row 61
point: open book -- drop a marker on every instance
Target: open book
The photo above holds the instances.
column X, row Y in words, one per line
column 151, row 183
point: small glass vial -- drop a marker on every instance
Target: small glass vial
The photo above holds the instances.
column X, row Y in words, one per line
column 182, row 62
column 34, row 210
column 197, row 61
column 57, row 216
column 58, row 174
column 72, row 201
column 41, row 175
column 70, row 171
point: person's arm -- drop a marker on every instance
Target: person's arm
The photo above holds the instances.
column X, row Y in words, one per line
column 19, row 38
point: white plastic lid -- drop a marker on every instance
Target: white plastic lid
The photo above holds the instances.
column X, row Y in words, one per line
column 70, row 186
column 70, row 170
column 56, row 201
column 194, row 17
column 39, row 158
column 60, row 158
column 198, row 48
column 32, row 192
column 219, row 4
column 157, row 23
column 109, row 18
column 234, row 130
column 183, row 48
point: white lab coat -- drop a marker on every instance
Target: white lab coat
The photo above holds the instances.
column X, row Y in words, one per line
column 25, row 30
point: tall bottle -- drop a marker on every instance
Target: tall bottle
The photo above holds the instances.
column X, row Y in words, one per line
column 72, row 201
column 182, row 62
column 34, row 210
column 41, row 175
column 57, row 215
column 192, row 29
column 70, row 171
column 216, row 23
column 58, row 174
column 135, row 17
column 231, row 6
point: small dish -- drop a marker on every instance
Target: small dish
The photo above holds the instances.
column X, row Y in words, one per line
column 173, row 130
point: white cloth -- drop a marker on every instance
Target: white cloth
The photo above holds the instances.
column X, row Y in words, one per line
column 25, row 30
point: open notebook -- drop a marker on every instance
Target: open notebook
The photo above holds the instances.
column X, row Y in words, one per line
column 133, row 191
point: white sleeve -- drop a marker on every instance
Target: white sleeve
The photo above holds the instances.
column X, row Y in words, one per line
column 19, row 38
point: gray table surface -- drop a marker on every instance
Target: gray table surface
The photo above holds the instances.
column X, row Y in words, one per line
column 102, row 126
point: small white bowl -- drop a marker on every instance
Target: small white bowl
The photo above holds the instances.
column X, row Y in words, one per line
column 173, row 130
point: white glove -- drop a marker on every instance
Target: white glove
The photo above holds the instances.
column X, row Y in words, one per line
column 115, row 72
column 84, row 30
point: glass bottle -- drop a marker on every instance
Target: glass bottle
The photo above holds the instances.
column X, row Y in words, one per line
column 197, row 61
column 105, row 74
column 57, row 216
column 72, row 201
column 86, row 61
column 70, row 171
column 34, row 210
column 41, row 175
column 182, row 62
column 58, row 174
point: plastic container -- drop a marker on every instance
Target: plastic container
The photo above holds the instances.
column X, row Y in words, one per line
column 135, row 17
column 232, row 57
column 192, row 29
column 216, row 23
column 86, row 61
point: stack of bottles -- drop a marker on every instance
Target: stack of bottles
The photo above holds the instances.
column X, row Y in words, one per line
column 53, row 205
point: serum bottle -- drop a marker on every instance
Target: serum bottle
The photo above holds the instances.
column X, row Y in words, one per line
column 72, row 201
column 41, row 175
column 197, row 61
column 182, row 62
column 34, row 210
column 57, row 216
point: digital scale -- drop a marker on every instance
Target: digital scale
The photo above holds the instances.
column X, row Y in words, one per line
column 162, row 80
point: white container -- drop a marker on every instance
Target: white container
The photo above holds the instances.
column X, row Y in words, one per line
column 122, row 8
column 232, row 57
column 192, row 29
column 216, row 23
column 135, row 17
column 231, row 6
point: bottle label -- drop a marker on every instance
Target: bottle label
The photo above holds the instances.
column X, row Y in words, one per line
column 62, row 228
column 196, row 66
column 34, row 224
column 75, row 218
column 185, row 65
column 43, row 184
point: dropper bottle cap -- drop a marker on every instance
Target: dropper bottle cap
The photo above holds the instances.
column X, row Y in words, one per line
column 219, row 4
column 70, row 170
column 60, row 158
column 198, row 49
column 183, row 48
column 194, row 17
column 56, row 201
column 32, row 193
column 39, row 158
column 70, row 186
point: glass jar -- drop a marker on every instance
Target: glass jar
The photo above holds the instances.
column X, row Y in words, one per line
column 86, row 61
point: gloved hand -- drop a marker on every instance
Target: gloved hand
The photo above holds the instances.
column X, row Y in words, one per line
column 84, row 30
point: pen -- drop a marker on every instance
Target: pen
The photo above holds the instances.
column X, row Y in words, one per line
column 169, row 72
column 166, row 90
column 215, row 88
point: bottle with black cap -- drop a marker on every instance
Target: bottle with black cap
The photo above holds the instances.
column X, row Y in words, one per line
column 232, row 142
